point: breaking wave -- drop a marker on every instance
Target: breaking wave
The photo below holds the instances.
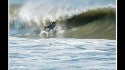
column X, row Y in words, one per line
column 74, row 18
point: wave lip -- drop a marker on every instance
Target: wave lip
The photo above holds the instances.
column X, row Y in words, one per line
column 52, row 10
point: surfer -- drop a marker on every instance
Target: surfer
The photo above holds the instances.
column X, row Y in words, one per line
column 50, row 29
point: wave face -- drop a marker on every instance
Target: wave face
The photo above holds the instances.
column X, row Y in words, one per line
column 86, row 18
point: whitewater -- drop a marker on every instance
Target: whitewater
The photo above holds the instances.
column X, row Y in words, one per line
column 61, row 54
column 85, row 38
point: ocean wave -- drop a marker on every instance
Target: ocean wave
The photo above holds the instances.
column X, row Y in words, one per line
column 77, row 19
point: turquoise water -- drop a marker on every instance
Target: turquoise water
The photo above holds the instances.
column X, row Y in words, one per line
column 61, row 54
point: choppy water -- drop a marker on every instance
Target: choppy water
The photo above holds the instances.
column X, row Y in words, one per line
column 61, row 54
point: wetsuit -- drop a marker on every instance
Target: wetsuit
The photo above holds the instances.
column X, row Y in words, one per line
column 50, row 27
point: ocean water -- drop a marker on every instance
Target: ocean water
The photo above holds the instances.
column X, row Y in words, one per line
column 84, row 37
column 74, row 18
column 61, row 54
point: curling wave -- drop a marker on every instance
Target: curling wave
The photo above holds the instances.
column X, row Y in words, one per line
column 77, row 19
